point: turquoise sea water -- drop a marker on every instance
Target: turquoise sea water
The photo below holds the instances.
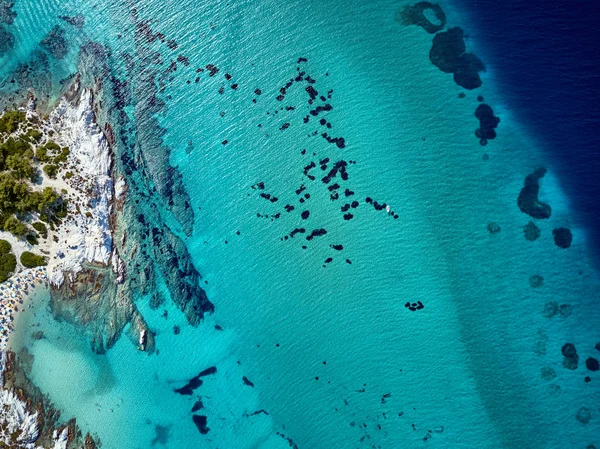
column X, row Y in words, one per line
column 336, row 358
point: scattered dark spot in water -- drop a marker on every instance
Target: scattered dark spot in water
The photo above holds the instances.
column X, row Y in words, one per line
column 162, row 434
column 176, row 330
column 462, row 95
column 195, row 382
column 571, row 358
column 197, row 406
column 536, row 281
column 528, row 200
column 414, row 306
column 493, row 228
column 201, row 423
column 584, row 415
column 532, row 232
column 592, row 364
column 247, row 381
column 562, row 237
column 305, row 214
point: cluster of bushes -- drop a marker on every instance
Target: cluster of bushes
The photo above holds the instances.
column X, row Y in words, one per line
column 53, row 155
column 30, row 260
column 8, row 261
column 10, row 120
column 17, row 166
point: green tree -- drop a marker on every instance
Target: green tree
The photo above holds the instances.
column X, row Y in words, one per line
column 51, row 170
column 30, row 260
column 15, row 226
column 21, row 166
column 9, row 122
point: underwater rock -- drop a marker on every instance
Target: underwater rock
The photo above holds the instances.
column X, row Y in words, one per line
column 448, row 54
column 536, row 281
column 488, row 123
column 584, row 415
column 562, row 237
column 548, row 373
column 571, row 359
column 6, row 41
column 565, row 310
column 56, row 43
column 532, row 232
column 493, row 228
column 195, row 382
column 415, row 15
column 201, row 423
column 528, row 200
column 7, row 14
column 592, row 364
column 77, row 21
column 550, row 309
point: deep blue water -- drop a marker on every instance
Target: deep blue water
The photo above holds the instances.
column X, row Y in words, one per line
column 545, row 54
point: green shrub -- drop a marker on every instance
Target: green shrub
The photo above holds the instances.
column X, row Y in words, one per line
column 30, row 260
column 51, row 170
column 41, row 228
column 14, row 146
column 33, row 135
column 21, row 166
column 62, row 157
column 41, row 154
column 31, row 239
column 9, row 122
column 8, row 263
column 52, row 147
column 5, row 247
column 15, row 226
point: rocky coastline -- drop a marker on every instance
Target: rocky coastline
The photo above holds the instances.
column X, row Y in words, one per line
column 113, row 228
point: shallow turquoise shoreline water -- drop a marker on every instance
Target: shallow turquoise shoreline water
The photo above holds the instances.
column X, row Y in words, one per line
column 324, row 346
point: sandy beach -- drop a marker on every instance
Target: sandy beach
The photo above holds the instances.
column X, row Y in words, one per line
column 13, row 296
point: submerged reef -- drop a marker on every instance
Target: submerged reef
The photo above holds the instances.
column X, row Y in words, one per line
column 488, row 123
column 6, row 41
column 416, row 15
column 448, row 53
column 562, row 237
column 56, row 43
column 528, row 200
column 532, row 232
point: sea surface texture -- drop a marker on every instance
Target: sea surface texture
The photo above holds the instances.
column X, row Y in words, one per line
column 399, row 252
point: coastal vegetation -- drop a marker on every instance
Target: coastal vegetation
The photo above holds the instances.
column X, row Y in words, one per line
column 30, row 260
column 8, row 261
column 26, row 152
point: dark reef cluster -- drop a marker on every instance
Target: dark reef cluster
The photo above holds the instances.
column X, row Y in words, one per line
column 449, row 54
column 329, row 171
column 7, row 17
column 530, row 204
column 488, row 123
